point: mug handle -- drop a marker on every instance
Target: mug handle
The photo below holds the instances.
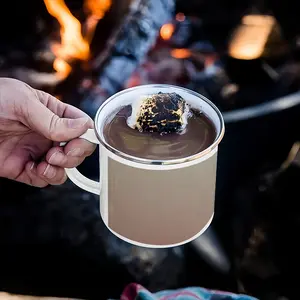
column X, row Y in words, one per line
column 75, row 176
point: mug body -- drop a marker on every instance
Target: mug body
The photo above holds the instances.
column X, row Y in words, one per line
column 154, row 203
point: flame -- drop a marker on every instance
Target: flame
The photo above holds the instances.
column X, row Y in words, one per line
column 96, row 10
column 258, row 20
column 62, row 67
column 180, row 53
column 167, row 31
column 73, row 44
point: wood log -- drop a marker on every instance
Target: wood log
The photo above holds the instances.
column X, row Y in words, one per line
column 133, row 41
column 124, row 51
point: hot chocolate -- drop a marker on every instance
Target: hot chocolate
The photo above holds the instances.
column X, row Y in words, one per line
column 198, row 134
column 147, row 188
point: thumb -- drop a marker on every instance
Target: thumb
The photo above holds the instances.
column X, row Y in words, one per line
column 53, row 127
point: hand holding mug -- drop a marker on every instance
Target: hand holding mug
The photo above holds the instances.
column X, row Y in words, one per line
column 32, row 123
column 149, row 198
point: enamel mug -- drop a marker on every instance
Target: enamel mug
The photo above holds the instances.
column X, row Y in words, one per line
column 153, row 203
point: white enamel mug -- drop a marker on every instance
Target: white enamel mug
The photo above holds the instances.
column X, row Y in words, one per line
column 153, row 203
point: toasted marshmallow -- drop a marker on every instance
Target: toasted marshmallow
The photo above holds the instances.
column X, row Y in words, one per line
column 163, row 113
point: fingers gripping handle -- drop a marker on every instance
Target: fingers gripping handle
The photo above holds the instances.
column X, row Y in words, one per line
column 76, row 177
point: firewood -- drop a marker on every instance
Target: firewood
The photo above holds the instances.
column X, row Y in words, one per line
column 125, row 50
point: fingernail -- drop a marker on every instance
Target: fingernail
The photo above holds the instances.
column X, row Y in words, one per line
column 32, row 166
column 77, row 123
column 49, row 172
column 75, row 152
column 56, row 157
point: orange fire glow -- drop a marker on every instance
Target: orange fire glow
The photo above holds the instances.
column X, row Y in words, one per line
column 167, row 31
column 95, row 10
column 73, row 44
column 250, row 38
column 180, row 53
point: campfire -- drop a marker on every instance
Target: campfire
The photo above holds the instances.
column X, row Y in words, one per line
column 83, row 51
column 99, row 47
column 65, row 44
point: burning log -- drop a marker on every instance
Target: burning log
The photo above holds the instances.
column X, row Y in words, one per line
column 125, row 50
column 131, row 28
column 54, row 49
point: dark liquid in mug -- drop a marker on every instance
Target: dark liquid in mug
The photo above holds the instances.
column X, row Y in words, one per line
column 198, row 135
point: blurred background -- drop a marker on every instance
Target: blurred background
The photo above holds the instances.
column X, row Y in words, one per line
column 242, row 55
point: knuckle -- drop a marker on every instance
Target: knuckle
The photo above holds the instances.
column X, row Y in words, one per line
column 53, row 127
column 73, row 162
column 59, row 179
column 55, row 133
column 10, row 173
column 57, row 158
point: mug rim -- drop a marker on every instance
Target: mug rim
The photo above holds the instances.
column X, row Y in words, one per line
column 147, row 161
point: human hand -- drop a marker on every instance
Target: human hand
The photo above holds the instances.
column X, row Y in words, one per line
column 32, row 123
